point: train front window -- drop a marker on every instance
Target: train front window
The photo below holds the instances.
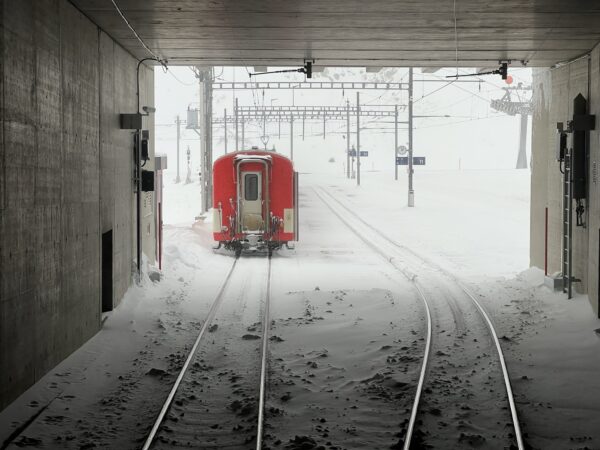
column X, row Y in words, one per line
column 251, row 187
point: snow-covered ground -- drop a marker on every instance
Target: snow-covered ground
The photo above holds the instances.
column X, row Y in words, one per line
column 474, row 222
column 334, row 296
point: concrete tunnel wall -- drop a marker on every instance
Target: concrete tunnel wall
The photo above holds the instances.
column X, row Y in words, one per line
column 65, row 178
column 553, row 94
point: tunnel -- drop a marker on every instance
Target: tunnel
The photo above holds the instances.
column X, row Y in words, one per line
column 300, row 225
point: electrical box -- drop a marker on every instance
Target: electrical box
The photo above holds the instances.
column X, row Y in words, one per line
column 192, row 119
column 131, row 121
column 580, row 126
column 160, row 162
column 144, row 150
column 147, row 181
column 561, row 142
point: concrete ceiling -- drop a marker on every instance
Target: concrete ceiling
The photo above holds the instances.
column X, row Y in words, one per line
column 358, row 33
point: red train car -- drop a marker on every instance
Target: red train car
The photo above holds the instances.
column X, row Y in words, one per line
column 255, row 201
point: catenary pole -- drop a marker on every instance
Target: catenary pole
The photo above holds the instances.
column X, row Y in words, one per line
column 411, row 192
column 202, row 134
column 396, row 142
column 235, row 112
column 348, row 139
column 358, row 138
column 178, row 178
column 209, row 137
column 225, row 133
column 292, row 138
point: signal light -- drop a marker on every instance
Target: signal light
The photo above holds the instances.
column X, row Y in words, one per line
column 308, row 69
column 503, row 71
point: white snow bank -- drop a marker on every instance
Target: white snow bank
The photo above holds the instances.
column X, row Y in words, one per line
column 475, row 223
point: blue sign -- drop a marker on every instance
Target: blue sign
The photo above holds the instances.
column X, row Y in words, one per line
column 403, row 160
column 364, row 153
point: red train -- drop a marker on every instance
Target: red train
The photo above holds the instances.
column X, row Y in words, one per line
column 255, row 200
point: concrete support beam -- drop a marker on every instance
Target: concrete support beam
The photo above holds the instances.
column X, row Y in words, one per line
column 354, row 33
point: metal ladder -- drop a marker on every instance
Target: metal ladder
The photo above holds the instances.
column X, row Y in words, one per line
column 567, row 271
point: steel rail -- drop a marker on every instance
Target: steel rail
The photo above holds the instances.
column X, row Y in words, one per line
column 167, row 404
column 415, row 408
column 427, row 352
column 509, row 392
column 480, row 308
column 263, row 364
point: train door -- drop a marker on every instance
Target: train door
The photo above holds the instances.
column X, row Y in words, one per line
column 251, row 205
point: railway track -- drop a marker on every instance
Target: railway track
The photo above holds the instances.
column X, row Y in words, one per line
column 153, row 437
column 407, row 254
column 263, row 363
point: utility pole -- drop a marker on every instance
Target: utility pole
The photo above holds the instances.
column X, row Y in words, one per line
column 348, row 139
column 225, row 125
column 292, row 138
column 204, row 75
column 396, row 142
column 209, row 136
column 178, row 122
column 411, row 192
column 358, row 138
column 264, row 131
column 235, row 112
column 188, row 178
column 243, row 134
column 200, row 74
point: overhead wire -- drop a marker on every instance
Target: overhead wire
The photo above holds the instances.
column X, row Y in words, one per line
column 433, row 92
column 179, row 81
column 342, row 127
column 455, row 37
column 458, row 86
column 464, row 99
column 464, row 121
column 141, row 41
